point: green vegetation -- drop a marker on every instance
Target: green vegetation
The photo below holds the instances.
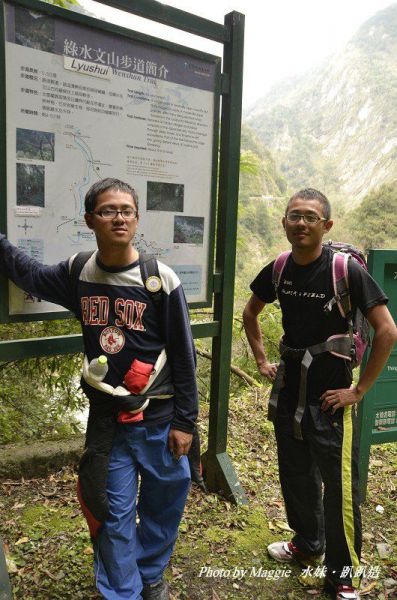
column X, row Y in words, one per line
column 40, row 396
column 258, row 164
column 374, row 222
column 50, row 556
column 335, row 127
column 261, row 206
column 47, row 543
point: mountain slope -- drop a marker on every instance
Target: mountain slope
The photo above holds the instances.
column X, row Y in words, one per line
column 336, row 127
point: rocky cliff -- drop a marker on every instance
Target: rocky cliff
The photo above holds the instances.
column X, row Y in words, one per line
column 336, row 127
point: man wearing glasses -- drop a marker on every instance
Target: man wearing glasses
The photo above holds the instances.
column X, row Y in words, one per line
column 323, row 448
column 120, row 320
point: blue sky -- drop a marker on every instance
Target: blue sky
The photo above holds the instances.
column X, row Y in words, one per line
column 282, row 37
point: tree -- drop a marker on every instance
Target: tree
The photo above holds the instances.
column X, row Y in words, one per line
column 374, row 222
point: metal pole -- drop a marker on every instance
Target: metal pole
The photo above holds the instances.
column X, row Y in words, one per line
column 5, row 586
column 220, row 474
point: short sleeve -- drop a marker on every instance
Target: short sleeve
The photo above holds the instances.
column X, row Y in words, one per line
column 262, row 286
column 364, row 290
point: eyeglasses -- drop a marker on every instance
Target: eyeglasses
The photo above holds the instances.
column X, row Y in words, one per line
column 110, row 213
column 308, row 219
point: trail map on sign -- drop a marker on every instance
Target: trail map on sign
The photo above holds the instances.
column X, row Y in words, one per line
column 84, row 104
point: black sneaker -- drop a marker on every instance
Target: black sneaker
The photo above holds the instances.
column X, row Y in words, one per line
column 156, row 591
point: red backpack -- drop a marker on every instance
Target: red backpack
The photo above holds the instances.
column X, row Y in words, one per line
column 358, row 326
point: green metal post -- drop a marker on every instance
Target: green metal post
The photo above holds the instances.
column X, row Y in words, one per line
column 220, row 474
column 5, row 586
column 3, row 154
column 172, row 17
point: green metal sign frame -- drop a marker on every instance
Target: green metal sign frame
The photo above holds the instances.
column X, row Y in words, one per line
column 220, row 473
column 69, row 15
column 382, row 397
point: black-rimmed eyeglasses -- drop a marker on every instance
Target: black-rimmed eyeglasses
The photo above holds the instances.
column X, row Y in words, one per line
column 111, row 213
column 293, row 217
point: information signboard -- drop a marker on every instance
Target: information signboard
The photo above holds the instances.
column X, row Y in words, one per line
column 86, row 100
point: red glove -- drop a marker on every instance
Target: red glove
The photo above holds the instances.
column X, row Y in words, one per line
column 135, row 380
column 127, row 417
column 137, row 376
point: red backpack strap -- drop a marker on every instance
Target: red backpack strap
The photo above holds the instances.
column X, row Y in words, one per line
column 340, row 281
column 278, row 267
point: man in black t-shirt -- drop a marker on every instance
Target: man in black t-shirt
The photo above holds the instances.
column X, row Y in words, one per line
column 325, row 451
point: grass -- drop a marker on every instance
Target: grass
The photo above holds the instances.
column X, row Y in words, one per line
column 221, row 549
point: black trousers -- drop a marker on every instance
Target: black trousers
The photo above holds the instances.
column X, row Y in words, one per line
column 324, row 517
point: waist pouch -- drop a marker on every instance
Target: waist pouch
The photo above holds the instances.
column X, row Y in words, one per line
column 105, row 404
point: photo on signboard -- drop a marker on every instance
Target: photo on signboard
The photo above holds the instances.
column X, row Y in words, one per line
column 34, row 30
column 30, row 185
column 35, row 144
column 165, row 196
column 188, row 230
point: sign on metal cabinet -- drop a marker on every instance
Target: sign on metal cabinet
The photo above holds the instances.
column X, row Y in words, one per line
column 378, row 411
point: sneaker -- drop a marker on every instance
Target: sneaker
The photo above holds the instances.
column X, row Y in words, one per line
column 156, row 591
column 288, row 552
column 344, row 592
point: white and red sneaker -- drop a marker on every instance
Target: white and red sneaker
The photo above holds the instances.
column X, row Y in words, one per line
column 346, row 592
column 288, row 552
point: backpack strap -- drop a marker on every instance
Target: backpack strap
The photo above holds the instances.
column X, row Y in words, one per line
column 340, row 284
column 340, row 281
column 278, row 268
column 77, row 266
column 149, row 272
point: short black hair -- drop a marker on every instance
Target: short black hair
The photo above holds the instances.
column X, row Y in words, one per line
column 110, row 183
column 312, row 194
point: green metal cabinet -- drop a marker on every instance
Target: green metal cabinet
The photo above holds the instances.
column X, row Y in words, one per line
column 378, row 410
